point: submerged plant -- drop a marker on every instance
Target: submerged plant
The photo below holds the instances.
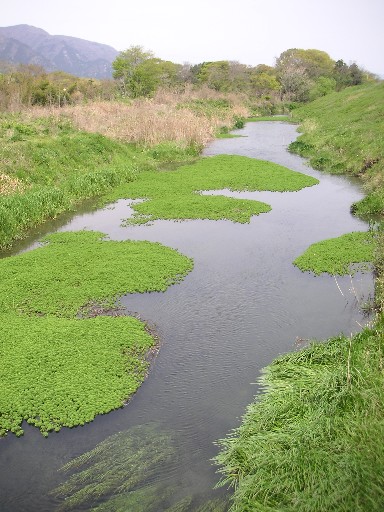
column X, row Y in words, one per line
column 122, row 463
column 129, row 471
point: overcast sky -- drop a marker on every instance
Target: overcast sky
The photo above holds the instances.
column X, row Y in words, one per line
column 249, row 31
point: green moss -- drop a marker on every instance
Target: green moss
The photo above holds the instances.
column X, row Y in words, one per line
column 61, row 371
column 175, row 194
column 339, row 256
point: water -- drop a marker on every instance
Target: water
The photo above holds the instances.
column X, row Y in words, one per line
column 243, row 304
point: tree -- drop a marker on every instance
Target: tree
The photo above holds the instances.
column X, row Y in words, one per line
column 125, row 66
column 140, row 73
column 323, row 86
column 299, row 69
column 150, row 75
column 264, row 84
column 315, row 62
column 346, row 76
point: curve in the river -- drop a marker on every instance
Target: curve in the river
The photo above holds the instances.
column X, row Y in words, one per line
column 244, row 304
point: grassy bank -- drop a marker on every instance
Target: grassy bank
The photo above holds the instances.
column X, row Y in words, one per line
column 343, row 134
column 312, row 440
column 47, row 167
column 52, row 159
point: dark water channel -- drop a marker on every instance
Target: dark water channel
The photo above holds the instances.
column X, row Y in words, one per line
column 242, row 305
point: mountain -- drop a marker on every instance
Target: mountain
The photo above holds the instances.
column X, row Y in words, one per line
column 24, row 44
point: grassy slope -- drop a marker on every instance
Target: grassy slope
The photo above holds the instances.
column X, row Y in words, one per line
column 344, row 133
column 313, row 441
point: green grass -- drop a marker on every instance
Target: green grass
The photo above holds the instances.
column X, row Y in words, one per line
column 343, row 133
column 313, row 441
column 175, row 194
column 59, row 370
column 339, row 256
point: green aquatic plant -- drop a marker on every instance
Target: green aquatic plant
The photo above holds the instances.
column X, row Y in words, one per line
column 119, row 471
column 339, row 256
column 58, row 370
column 131, row 470
column 75, row 268
column 177, row 194
column 197, row 206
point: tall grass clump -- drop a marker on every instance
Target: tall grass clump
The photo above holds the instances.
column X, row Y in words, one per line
column 314, row 441
column 343, row 133
column 141, row 122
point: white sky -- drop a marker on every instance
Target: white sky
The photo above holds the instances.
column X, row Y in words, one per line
column 249, row 31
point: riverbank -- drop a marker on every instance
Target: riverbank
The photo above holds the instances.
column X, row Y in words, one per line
column 313, row 440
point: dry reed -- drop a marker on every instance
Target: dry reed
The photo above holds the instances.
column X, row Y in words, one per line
column 147, row 121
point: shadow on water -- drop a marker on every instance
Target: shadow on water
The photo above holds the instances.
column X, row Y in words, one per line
column 242, row 305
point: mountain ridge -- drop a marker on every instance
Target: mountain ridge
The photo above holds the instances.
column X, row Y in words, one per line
column 26, row 44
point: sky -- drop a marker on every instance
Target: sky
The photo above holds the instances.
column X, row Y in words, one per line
column 248, row 31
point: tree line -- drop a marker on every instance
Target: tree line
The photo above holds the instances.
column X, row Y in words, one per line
column 298, row 76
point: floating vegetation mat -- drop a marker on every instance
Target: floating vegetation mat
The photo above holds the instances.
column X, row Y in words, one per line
column 339, row 256
column 59, row 370
column 177, row 194
column 131, row 471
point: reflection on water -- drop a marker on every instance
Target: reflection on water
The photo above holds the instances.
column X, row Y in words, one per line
column 243, row 304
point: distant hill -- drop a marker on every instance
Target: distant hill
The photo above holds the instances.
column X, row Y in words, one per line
column 24, row 44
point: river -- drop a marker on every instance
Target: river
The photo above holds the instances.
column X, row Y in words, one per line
column 242, row 305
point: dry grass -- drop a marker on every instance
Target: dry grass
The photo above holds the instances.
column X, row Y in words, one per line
column 9, row 185
column 147, row 122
